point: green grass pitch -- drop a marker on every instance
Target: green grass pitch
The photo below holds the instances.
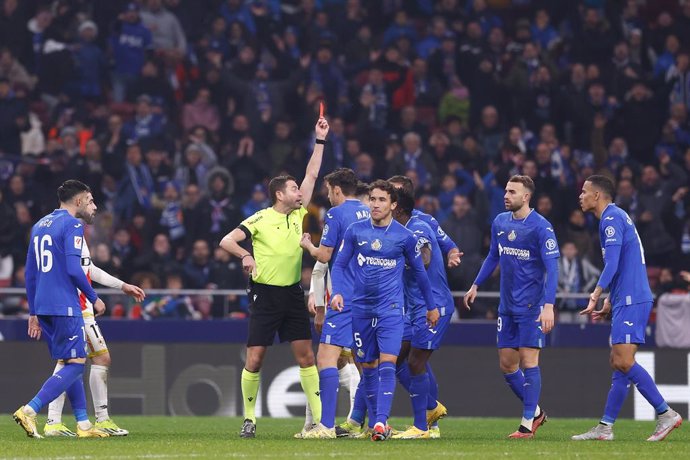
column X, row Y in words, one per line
column 216, row 437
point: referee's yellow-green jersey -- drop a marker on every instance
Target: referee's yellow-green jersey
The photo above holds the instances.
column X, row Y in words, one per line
column 275, row 239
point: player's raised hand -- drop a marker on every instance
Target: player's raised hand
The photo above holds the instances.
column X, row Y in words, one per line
column 455, row 258
column 432, row 317
column 546, row 318
column 337, row 303
column 604, row 312
column 470, row 296
column 99, row 307
column 34, row 328
column 305, row 242
column 133, row 291
column 321, row 129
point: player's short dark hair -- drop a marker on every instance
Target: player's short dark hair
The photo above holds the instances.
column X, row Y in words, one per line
column 344, row 178
column 603, row 183
column 278, row 184
column 405, row 181
column 362, row 188
column 387, row 187
column 71, row 188
column 405, row 202
column 526, row 182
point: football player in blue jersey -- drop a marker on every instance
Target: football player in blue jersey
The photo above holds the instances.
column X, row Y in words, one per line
column 379, row 248
column 53, row 278
column 420, row 340
column 336, row 327
column 630, row 302
column 453, row 255
column 524, row 244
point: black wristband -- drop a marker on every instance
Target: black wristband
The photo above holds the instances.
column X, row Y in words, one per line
column 320, row 141
column 246, row 255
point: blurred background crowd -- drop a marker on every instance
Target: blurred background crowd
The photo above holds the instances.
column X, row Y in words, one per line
column 177, row 113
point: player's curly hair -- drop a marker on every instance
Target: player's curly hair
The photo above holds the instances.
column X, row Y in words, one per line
column 71, row 188
column 386, row 187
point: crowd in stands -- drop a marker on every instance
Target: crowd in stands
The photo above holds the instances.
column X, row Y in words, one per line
column 177, row 113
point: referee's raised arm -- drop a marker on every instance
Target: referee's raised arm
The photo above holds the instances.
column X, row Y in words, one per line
column 314, row 165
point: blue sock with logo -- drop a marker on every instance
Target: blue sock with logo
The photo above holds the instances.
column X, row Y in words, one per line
column 419, row 395
column 385, row 394
column 328, row 387
column 516, row 382
column 56, row 385
column 532, row 390
column 371, row 389
column 620, row 385
column 77, row 398
column 402, row 372
column 359, row 408
column 647, row 388
column 433, row 389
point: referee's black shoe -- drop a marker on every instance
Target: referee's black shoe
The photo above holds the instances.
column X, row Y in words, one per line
column 248, row 429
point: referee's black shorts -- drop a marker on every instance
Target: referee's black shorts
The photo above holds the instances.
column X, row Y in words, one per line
column 277, row 309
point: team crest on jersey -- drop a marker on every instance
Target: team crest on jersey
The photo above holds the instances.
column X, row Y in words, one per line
column 360, row 353
column 512, row 235
column 376, row 245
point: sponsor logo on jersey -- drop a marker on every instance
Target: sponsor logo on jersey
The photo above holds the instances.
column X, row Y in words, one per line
column 77, row 242
column 550, row 244
column 325, row 230
column 386, row 264
column 609, row 231
column 512, row 235
column 521, row 254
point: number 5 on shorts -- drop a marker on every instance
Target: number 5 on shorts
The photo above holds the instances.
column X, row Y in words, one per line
column 358, row 340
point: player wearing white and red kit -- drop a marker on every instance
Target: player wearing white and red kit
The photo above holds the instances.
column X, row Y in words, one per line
column 97, row 352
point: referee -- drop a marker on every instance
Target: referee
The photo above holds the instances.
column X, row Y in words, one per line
column 275, row 268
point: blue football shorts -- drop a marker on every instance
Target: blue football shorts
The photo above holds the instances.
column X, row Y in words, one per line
column 629, row 322
column 376, row 335
column 518, row 330
column 65, row 336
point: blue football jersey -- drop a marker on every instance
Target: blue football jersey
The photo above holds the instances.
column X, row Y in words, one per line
column 630, row 284
column 337, row 220
column 436, row 272
column 521, row 247
column 443, row 240
column 51, row 290
column 379, row 255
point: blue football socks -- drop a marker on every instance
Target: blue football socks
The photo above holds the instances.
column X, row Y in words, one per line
column 328, row 387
